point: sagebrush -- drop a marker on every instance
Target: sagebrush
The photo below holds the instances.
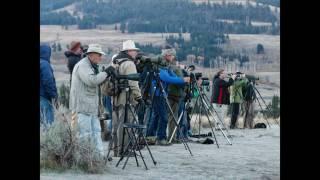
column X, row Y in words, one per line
column 60, row 148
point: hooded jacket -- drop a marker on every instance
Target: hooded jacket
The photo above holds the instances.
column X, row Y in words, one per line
column 48, row 87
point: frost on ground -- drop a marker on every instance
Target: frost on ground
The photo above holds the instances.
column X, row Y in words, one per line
column 254, row 154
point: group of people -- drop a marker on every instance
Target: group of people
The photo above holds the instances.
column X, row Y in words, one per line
column 87, row 81
column 236, row 92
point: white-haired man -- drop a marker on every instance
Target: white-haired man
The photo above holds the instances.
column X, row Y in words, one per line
column 84, row 97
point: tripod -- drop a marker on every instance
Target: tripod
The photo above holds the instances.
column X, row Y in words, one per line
column 267, row 107
column 130, row 129
column 204, row 107
column 155, row 74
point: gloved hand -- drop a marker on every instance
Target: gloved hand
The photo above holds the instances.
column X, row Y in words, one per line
column 140, row 101
column 110, row 70
column 139, row 56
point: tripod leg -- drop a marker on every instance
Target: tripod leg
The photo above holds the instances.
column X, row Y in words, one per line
column 267, row 107
column 135, row 144
column 154, row 162
column 109, row 148
column 174, row 131
column 218, row 124
column 200, row 113
column 212, row 111
column 126, row 149
column 212, row 129
column 196, row 104
column 262, row 115
column 129, row 151
column 223, row 133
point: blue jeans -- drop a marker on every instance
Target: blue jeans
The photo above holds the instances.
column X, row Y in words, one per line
column 108, row 107
column 183, row 132
column 159, row 120
column 90, row 129
column 46, row 112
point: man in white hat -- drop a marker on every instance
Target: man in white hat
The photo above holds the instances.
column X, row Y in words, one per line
column 84, row 96
column 125, row 60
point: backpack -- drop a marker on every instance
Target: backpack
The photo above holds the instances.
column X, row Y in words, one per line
column 110, row 86
column 248, row 93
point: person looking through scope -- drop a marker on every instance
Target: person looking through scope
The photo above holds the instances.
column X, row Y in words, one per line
column 220, row 94
column 157, row 124
column 236, row 97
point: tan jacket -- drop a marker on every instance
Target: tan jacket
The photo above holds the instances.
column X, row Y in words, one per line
column 85, row 87
column 127, row 67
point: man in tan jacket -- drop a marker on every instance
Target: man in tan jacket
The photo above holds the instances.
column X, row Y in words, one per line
column 125, row 61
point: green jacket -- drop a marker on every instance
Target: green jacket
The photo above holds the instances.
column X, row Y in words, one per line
column 236, row 95
column 175, row 91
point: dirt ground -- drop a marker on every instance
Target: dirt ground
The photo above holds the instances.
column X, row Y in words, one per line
column 254, row 154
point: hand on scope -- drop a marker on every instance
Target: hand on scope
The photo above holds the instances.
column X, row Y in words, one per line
column 233, row 76
column 110, row 70
column 186, row 79
column 139, row 56
column 140, row 101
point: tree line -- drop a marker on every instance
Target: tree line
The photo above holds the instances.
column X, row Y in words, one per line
column 168, row 16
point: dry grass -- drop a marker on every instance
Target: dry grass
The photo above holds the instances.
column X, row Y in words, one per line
column 60, row 148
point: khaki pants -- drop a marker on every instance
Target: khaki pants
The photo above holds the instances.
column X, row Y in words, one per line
column 249, row 114
column 221, row 112
column 171, row 124
column 117, row 128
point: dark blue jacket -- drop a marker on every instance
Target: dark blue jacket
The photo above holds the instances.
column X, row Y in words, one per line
column 48, row 87
column 168, row 77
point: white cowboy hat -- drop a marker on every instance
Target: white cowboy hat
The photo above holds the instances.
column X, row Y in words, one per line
column 95, row 48
column 129, row 45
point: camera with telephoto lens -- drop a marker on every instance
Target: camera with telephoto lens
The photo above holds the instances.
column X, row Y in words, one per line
column 231, row 74
column 205, row 81
column 115, row 76
column 150, row 62
column 252, row 77
column 198, row 75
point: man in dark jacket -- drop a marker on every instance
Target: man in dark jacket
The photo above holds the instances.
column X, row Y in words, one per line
column 220, row 93
column 74, row 55
column 48, row 89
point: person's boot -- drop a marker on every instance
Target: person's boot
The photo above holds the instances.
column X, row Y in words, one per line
column 116, row 153
column 151, row 140
column 162, row 142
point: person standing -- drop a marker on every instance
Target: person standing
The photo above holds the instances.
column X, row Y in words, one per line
column 74, row 55
column 236, row 97
column 48, row 89
column 125, row 62
column 84, row 97
column 220, row 94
